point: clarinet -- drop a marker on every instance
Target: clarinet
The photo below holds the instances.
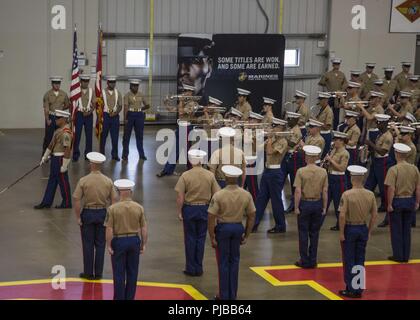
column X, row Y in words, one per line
column 324, row 163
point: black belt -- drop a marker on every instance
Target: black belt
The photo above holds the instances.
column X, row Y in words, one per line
column 358, row 223
column 311, row 200
column 94, row 207
column 196, row 204
column 126, row 235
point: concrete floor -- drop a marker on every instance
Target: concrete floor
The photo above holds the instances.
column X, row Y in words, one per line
column 34, row 241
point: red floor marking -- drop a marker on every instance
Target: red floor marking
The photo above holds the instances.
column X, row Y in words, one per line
column 383, row 282
column 87, row 291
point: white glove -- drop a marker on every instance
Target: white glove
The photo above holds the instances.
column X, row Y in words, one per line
column 45, row 157
column 64, row 166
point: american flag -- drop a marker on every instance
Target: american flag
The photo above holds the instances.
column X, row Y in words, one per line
column 98, row 87
column 75, row 89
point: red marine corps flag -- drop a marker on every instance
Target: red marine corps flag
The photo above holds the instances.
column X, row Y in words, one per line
column 75, row 89
column 98, row 87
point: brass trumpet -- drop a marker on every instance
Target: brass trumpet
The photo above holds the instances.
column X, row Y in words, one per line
column 181, row 97
column 353, row 103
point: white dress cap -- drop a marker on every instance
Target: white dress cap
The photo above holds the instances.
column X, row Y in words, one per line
column 414, row 78
column 215, row 101
column 56, row 79
column 340, row 135
column 226, row 132
column 405, row 94
column 370, row 64
column 188, row 87
column 84, row 77
column 231, row 171
column 236, row 112
column 336, row 61
column 357, row 170
column 323, row 95
column 410, row 117
column 300, row 94
column 269, row 101
column 250, row 159
column 256, row 116
column 96, row 157
column 355, row 72
column 315, row 123
column 379, row 82
column 352, row 84
column 279, row 122
column 243, row 92
column 382, row 117
column 350, row 113
column 124, row 184
column 111, row 78
column 389, row 69
column 134, row 81
column 312, row 150
column 376, row 94
column 406, row 64
column 195, row 155
column 401, row 148
column 62, row 114
column 406, row 129
column 293, row 115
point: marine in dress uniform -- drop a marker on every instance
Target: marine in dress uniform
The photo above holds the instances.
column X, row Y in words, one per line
column 311, row 193
column 186, row 107
column 355, row 76
column 303, row 110
column 84, row 118
column 403, row 182
column 242, row 104
column 134, row 107
column 112, row 108
column 371, row 130
column 337, row 161
column 228, row 154
column 226, row 231
column 403, row 77
column 368, row 78
column 353, row 89
column 268, row 110
column 325, row 116
column 414, row 88
column 60, row 151
column 195, row 188
column 355, row 207
column 294, row 159
column 273, row 179
column 403, row 106
column 353, row 136
column 126, row 237
column 314, row 138
column 93, row 194
column 390, row 85
column 380, row 152
column 334, row 81
column 54, row 99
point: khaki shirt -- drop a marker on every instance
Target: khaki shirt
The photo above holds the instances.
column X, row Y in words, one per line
column 368, row 83
column 404, row 109
column 317, row 141
column 125, row 217
column 134, row 101
column 411, row 157
column 111, row 107
column 62, row 138
column 303, row 110
column 334, row 81
column 296, row 136
column 356, row 204
column 96, row 190
column 53, row 102
column 231, row 204
column 312, row 180
column 326, row 116
column 279, row 150
column 404, row 178
column 227, row 155
column 384, row 141
column 245, row 108
column 268, row 118
column 371, row 124
column 402, row 80
column 389, row 87
column 341, row 156
column 354, row 134
column 85, row 107
column 198, row 185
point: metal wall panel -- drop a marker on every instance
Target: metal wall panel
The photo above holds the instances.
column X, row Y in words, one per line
column 212, row 16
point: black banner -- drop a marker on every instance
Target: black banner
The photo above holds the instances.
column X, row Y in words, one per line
column 219, row 64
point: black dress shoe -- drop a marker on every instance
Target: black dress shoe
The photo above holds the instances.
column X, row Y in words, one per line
column 350, row 294
column 143, row 158
column 335, row 228
column 41, row 206
column 161, row 174
column 190, row 274
column 392, row 258
column 124, row 158
column 99, row 277
column 199, row 274
column 86, row 276
column 309, row 266
column 275, row 230
column 383, row 224
column 116, row 159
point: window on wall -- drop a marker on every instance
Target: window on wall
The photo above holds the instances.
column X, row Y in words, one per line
column 136, row 58
column 291, row 58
